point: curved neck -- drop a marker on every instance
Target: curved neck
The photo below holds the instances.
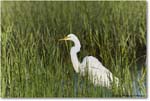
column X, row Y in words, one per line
column 74, row 50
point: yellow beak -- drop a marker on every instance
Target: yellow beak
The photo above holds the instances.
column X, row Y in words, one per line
column 65, row 38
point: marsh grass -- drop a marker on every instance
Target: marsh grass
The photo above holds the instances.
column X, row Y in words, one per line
column 35, row 64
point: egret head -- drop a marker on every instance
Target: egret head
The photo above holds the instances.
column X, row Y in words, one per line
column 71, row 37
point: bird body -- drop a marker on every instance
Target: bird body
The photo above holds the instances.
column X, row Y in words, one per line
column 97, row 73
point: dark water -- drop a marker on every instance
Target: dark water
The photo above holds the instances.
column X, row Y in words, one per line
column 136, row 87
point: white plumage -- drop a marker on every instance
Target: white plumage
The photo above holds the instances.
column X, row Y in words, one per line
column 97, row 73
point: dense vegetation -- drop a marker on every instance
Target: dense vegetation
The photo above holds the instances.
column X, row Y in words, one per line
column 35, row 64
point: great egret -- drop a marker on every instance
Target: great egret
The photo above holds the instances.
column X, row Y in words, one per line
column 99, row 74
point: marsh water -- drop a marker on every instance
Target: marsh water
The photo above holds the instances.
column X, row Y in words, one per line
column 136, row 89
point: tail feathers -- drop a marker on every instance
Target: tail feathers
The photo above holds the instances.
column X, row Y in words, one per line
column 116, row 81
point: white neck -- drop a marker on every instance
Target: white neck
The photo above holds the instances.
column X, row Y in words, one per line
column 74, row 50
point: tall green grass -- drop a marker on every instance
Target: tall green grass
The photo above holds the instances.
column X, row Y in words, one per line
column 35, row 64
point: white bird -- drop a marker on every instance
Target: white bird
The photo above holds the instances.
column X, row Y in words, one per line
column 99, row 74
